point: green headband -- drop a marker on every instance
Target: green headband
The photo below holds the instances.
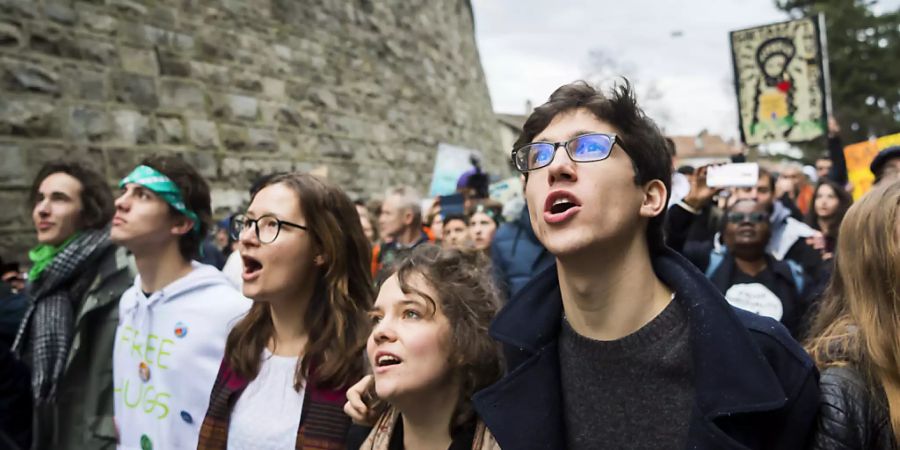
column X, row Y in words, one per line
column 488, row 211
column 162, row 186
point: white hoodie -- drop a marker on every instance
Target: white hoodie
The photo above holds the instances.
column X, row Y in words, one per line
column 167, row 353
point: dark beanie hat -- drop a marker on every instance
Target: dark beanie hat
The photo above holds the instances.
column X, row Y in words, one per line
column 882, row 158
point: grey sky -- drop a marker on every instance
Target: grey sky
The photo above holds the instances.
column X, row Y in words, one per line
column 530, row 47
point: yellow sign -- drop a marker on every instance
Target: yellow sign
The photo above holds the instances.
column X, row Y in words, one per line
column 859, row 157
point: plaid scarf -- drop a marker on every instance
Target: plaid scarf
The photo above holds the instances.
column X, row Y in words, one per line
column 323, row 424
column 47, row 328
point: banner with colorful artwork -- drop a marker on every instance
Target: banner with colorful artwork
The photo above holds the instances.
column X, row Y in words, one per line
column 780, row 83
column 859, row 157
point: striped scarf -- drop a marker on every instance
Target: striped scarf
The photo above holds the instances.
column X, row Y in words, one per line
column 323, row 424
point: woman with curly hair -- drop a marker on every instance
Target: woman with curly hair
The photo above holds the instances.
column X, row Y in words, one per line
column 430, row 351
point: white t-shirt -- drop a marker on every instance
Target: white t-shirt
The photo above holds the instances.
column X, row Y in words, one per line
column 267, row 414
column 756, row 298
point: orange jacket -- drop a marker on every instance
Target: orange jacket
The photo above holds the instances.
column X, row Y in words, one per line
column 804, row 198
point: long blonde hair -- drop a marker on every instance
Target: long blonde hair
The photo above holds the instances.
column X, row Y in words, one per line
column 859, row 320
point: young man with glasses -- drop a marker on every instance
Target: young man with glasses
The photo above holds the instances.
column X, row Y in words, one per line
column 623, row 343
column 174, row 320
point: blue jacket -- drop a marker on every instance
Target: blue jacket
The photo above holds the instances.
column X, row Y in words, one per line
column 517, row 255
column 755, row 387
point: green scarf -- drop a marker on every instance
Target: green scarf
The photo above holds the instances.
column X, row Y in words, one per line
column 42, row 255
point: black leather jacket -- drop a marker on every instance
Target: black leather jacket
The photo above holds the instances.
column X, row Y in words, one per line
column 850, row 416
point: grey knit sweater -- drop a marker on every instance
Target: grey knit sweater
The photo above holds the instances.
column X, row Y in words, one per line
column 636, row 392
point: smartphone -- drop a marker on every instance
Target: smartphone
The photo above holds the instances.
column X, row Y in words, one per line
column 732, row 175
column 452, row 205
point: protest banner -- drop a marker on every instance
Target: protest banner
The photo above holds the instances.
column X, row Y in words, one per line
column 509, row 193
column 507, row 190
column 451, row 162
column 780, row 81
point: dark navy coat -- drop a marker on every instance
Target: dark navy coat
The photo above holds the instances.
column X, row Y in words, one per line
column 754, row 385
column 517, row 255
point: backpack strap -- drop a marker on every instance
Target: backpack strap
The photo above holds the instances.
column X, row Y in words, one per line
column 715, row 260
column 797, row 274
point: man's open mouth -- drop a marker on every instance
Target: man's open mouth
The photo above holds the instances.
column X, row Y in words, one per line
column 560, row 201
column 561, row 205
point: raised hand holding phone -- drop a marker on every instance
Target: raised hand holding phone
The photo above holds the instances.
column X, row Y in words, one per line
column 733, row 175
column 700, row 194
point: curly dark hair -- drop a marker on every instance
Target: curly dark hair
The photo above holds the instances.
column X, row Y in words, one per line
column 469, row 299
column 96, row 197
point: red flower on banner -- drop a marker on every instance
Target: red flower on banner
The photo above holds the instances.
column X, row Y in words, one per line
column 784, row 86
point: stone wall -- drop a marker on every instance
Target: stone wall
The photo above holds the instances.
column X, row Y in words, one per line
column 364, row 88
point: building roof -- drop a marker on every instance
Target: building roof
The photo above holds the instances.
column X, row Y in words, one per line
column 703, row 145
column 514, row 121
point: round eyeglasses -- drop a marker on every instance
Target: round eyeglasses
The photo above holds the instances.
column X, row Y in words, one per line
column 267, row 227
column 584, row 148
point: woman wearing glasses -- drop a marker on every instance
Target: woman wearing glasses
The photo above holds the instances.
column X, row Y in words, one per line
column 287, row 364
column 750, row 278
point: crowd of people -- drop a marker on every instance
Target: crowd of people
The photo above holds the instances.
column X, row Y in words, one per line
column 627, row 304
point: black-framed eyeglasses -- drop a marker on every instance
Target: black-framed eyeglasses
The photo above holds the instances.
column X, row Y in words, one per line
column 585, row 148
column 267, row 227
column 752, row 217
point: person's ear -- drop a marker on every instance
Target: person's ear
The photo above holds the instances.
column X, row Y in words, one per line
column 182, row 225
column 408, row 217
column 319, row 260
column 655, row 197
